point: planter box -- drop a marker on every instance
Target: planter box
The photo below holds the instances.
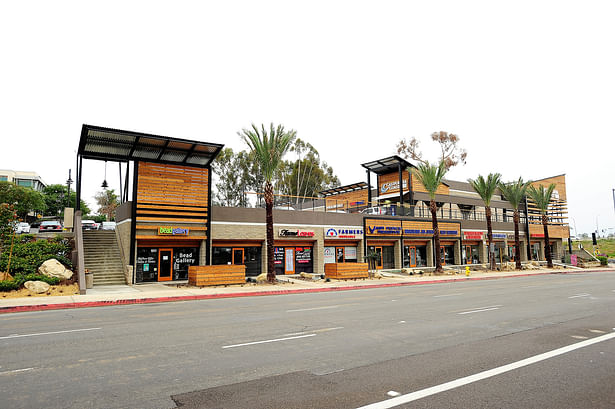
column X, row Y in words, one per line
column 216, row 275
column 346, row 271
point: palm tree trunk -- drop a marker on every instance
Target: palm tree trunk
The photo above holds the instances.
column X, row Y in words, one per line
column 436, row 235
column 517, row 244
column 547, row 244
column 489, row 237
column 269, row 222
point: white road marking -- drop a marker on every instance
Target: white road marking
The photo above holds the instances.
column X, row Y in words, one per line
column 327, row 329
column 49, row 333
column 401, row 322
column 478, row 308
column 447, row 295
column 314, row 309
column 16, row 371
column 294, row 333
column 393, row 393
column 579, row 337
column 410, row 397
column 597, row 331
column 483, row 310
column 579, row 295
column 267, row 341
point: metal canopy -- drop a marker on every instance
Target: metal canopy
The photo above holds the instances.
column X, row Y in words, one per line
column 344, row 189
column 117, row 145
column 387, row 165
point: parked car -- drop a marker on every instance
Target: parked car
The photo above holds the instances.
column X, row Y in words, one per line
column 89, row 225
column 50, row 225
column 35, row 224
column 22, row 228
column 374, row 210
column 107, row 226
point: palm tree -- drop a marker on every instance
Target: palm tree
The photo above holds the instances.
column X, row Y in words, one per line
column 541, row 196
column 485, row 189
column 514, row 193
column 431, row 177
column 268, row 149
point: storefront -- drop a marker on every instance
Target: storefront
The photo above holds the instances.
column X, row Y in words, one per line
column 293, row 251
column 165, row 260
column 341, row 244
column 415, row 253
column 248, row 253
column 382, row 237
column 472, row 246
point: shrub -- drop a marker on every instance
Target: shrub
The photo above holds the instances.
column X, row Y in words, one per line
column 603, row 260
column 29, row 253
column 8, row 285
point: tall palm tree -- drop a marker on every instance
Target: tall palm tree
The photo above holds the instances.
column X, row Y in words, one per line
column 485, row 189
column 514, row 193
column 541, row 196
column 431, row 177
column 268, row 149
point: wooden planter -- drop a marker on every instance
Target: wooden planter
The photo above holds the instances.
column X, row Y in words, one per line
column 346, row 271
column 216, row 275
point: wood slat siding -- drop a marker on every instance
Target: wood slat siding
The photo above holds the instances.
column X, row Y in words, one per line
column 172, row 193
column 223, row 274
column 346, row 271
column 417, row 186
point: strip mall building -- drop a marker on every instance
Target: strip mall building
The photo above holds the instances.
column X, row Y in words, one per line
column 169, row 223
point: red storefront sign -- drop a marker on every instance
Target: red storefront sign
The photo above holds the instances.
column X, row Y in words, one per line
column 473, row 235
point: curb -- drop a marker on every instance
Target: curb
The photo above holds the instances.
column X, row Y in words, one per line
column 151, row 300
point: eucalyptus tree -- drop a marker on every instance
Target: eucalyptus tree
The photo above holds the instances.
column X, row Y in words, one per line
column 431, row 177
column 514, row 192
column 485, row 189
column 268, row 148
column 541, row 197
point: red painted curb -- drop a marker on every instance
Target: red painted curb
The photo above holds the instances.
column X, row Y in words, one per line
column 87, row 304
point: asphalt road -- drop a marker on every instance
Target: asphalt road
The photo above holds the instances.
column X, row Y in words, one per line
column 326, row 350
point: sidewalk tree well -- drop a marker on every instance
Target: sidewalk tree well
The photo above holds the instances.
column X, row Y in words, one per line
column 485, row 189
column 514, row 192
column 268, row 148
column 431, row 177
column 541, row 197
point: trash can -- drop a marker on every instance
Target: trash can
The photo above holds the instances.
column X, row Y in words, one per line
column 89, row 279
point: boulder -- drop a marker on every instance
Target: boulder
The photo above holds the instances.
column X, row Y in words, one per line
column 377, row 274
column 37, row 287
column 261, row 278
column 53, row 268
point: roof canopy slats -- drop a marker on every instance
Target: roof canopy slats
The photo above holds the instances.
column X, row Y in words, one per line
column 387, row 165
column 344, row 189
column 118, row 145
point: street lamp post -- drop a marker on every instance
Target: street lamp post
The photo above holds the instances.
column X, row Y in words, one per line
column 69, row 182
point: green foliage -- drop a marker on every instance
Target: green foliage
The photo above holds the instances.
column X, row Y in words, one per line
column 430, row 176
column 107, row 202
column 8, row 285
column 8, row 219
column 233, row 174
column 24, row 199
column 20, row 279
column 603, row 260
column 486, row 187
column 29, row 254
column 56, row 199
column 514, row 192
column 541, row 196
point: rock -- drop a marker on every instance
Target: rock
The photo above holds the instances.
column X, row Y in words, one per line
column 377, row 274
column 261, row 278
column 53, row 268
column 37, row 287
column 535, row 263
column 306, row 275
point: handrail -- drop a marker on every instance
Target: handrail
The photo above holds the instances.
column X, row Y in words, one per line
column 80, row 259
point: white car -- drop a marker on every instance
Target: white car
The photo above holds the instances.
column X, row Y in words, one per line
column 107, row 226
column 22, row 228
column 374, row 210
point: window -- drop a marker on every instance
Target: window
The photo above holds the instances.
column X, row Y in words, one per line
column 24, row 183
column 4, row 178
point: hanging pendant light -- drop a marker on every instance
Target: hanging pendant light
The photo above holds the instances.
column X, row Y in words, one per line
column 104, row 183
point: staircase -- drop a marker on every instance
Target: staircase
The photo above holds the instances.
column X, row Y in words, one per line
column 102, row 257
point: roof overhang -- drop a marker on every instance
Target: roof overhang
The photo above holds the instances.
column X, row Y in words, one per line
column 118, row 145
column 387, row 165
column 344, row 189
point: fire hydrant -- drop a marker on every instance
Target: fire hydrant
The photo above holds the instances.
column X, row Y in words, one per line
column 467, row 271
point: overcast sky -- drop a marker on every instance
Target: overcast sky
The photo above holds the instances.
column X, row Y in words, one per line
column 528, row 85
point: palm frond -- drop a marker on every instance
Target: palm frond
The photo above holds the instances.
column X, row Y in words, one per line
column 268, row 146
column 430, row 176
column 485, row 187
column 514, row 192
column 541, row 196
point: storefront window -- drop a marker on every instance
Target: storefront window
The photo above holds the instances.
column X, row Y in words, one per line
column 415, row 256
column 184, row 257
column 350, row 254
column 447, row 254
column 248, row 256
column 222, row 255
column 147, row 264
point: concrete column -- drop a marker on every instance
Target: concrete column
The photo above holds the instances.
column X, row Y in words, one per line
column 263, row 257
column 457, row 253
column 483, row 252
column 318, row 255
column 430, row 255
column 397, row 252
column 203, row 253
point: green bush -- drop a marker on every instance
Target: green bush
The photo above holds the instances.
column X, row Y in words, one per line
column 8, row 285
column 29, row 253
column 603, row 260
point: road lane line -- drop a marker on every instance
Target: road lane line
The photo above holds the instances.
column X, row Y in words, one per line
column 314, row 309
column 410, row 397
column 16, row 371
column 267, row 341
column 579, row 295
column 447, row 295
column 481, row 310
column 49, row 333
column 478, row 308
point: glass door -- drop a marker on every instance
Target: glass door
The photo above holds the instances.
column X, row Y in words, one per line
column 379, row 259
column 165, row 265
column 339, row 254
column 238, row 256
column 412, row 251
column 442, row 256
column 289, row 260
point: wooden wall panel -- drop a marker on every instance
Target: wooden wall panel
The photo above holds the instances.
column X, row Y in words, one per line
column 418, row 187
column 389, row 183
column 343, row 201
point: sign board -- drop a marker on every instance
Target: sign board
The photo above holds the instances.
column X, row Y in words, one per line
column 383, row 228
column 172, row 231
column 424, row 229
column 537, row 235
column 573, row 259
column 329, row 255
column 350, row 253
column 343, row 232
column 295, row 233
column 499, row 235
column 473, row 235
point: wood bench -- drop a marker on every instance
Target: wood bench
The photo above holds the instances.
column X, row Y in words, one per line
column 346, row 271
column 216, row 275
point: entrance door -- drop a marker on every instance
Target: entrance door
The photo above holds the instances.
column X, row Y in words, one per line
column 289, row 260
column 379, row 259
column 237, row 256
column 511, row 253
column 339, row 254
column 468, row 254
column 412, row 251
column 442, row 256
column 165, row 265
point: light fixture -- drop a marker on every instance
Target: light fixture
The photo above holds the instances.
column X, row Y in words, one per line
column 104, row 183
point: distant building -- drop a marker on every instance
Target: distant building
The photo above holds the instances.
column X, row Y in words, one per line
column 23, row 178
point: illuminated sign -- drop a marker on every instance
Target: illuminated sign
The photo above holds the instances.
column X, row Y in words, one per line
column 392, row 186
column 473, row 235
column 343, row 232
column 499, row 235
column 295, row 233
column 172, row 231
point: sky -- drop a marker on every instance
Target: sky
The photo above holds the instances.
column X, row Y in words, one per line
column 528, row 86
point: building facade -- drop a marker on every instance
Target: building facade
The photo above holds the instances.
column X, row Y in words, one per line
column 23, row 178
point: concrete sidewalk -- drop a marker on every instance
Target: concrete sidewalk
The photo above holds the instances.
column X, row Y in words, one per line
column 159, row 292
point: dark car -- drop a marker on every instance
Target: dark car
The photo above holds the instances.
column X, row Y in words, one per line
column 50, row 225
column 89, row 225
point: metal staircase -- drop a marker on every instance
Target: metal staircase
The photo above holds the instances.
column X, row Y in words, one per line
column 102, row 257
